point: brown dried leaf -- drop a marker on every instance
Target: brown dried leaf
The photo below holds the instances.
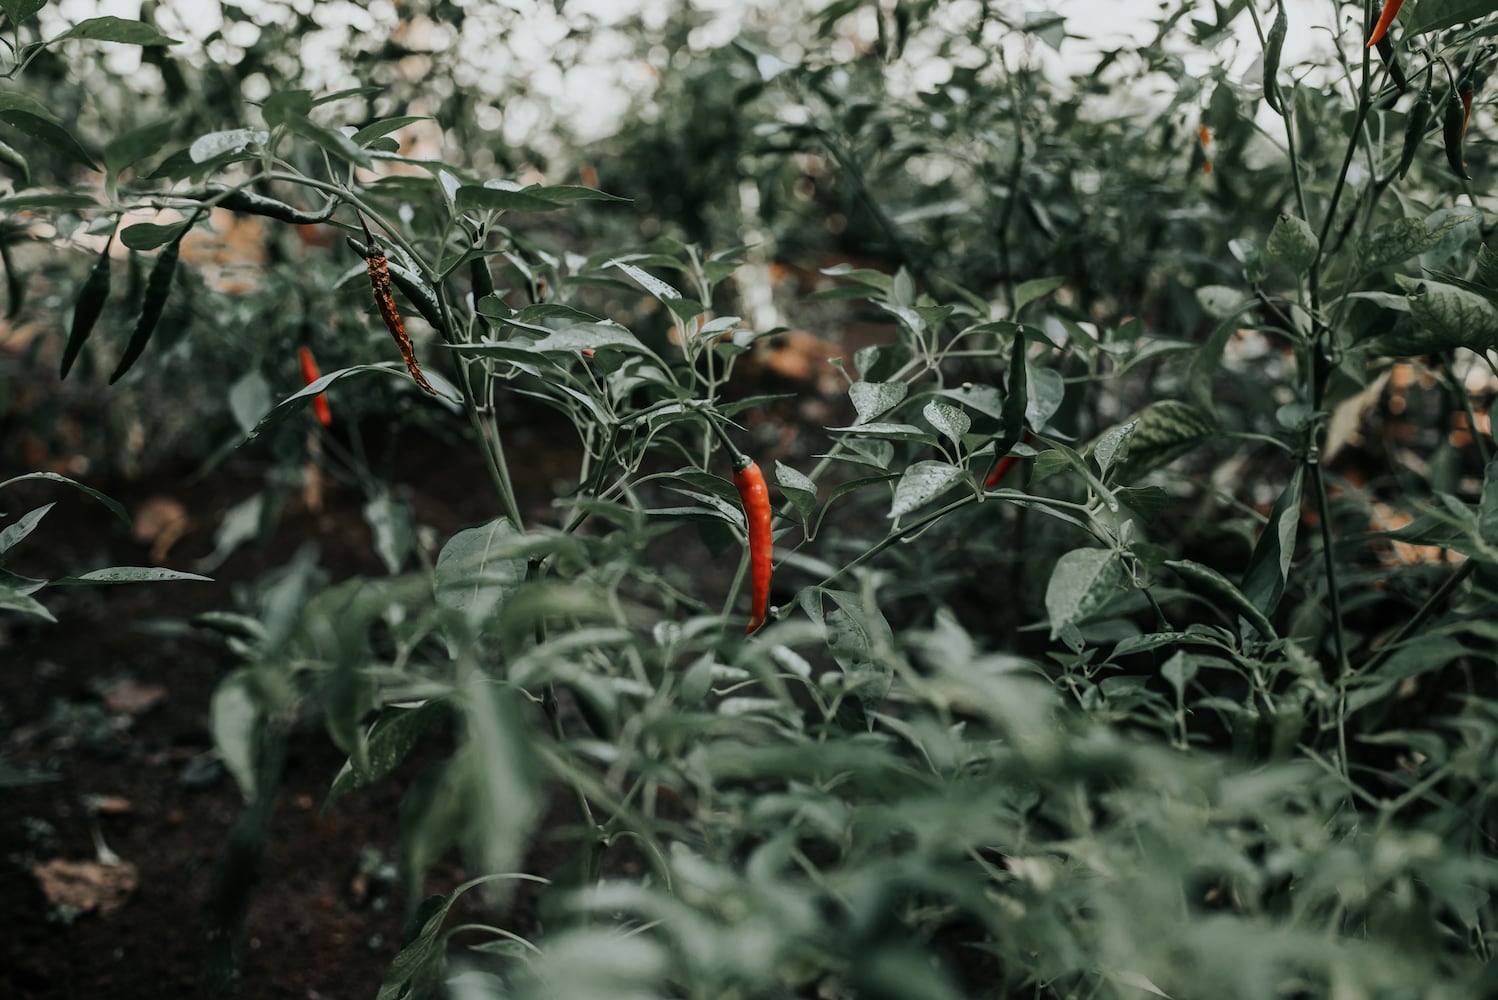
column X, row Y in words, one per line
column 86, row 885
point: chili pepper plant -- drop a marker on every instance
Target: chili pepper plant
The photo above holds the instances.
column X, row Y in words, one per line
column 1107, row 642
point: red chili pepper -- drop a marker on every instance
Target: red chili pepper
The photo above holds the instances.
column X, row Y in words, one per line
column 1205, row 135
column 310, row 374
column 756, row 499
column 1002, row 468
column 1466, row 97
column 1391, row 10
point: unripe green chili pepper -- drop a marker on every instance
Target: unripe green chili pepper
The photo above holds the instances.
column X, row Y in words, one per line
column 483, row 285
column 1385, row 46
column 90, row 305
column 1414, row 132
column 158, row 288
column 1453, row 126
column 1274, row 46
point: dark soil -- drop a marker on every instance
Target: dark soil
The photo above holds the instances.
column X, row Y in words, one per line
column 76, row 715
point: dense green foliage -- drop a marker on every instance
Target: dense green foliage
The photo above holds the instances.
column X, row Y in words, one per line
column 1196, row 701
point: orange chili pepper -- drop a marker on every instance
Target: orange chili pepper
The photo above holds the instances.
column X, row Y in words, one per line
column 1205, row 135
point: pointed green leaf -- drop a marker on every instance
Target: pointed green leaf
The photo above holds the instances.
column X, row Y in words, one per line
column 1082, row 580
column 13, row 599
column 117, row 29
column 472, row 577
column 862, row 642
column 871, row 399
column 235, row 719
column 54, row 477
column 948, row 420
column 25, row 525
column 332, row 141
column 920, row 483
column 798, row 489
column 1164, row 431
column 1292, row 242
column 474, row 198
column 1269, row 566
column 59, row 138
column 216, row 144
column 1034, row 289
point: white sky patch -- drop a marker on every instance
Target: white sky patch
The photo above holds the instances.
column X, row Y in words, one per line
column 583, row 84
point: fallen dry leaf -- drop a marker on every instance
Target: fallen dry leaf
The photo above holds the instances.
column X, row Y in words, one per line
column 86, row 885
column 131, row 698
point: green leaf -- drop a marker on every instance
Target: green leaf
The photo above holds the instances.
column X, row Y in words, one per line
column 1292, row 242
column 131, row 574
column 1082, row 580
column 871, row 399
column 116, row 29
column 24, row 525
column 862, row 642
column 1045, row 390
column 113, row 505
column 250, row 400
column 921, row 482
column 148, row 235
column 1437, row 15
column 1398, row 240
column 216, row 144
column 12, row 599
column 391, row 525
column 21, row 11
column 1269, row 566
column 376, row 130
column 1453, row 316
column 655, row 286
column 414, row 972
column 503, row 788
column 472, row 577
column 235, row 720
column 798, row 489
column 42, row 128
column 333, row 142
column 13, row 101
column 1034, row 289
column 387, row 743
column 575, row 192
column 1164, row 431
column 473, row 198
column 134, row 146
column 287, row 102
column 1108, row 444
column 1486, row 267
column 447, row 393
column 948, row 420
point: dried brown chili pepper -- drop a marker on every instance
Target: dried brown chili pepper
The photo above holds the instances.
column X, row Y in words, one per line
column 379, row 279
